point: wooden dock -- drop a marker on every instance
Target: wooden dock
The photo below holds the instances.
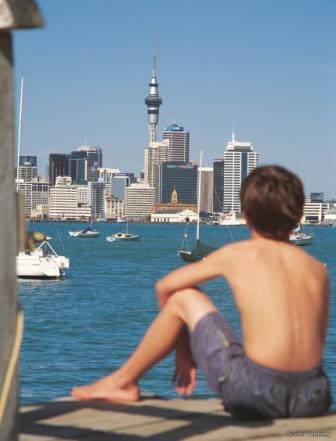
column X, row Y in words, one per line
column 160, row 420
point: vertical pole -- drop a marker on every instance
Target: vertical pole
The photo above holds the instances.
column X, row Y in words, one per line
column 8, row 242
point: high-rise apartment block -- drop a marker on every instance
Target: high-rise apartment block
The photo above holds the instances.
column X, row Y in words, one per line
column 96, row 199
column 206, row 196
column 218, row 185
column 155, row 154
column 139, row 201
column 239, row 160
column 179, row 176
column 30, row 161
column 178, row 142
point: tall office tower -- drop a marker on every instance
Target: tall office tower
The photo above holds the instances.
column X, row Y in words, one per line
column 96, row 199
column 218, row 185
column 78, row 169
column 94, row 156
column 206, row 199
column 239, row 160
column 119, row 182
column 178, row 142
column 30, row 161
column 181, row 177
column 153, row 103
column 139, row 201
column 58, row 166
column 155, row 154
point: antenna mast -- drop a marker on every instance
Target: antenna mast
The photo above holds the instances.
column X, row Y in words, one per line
column 19, row 137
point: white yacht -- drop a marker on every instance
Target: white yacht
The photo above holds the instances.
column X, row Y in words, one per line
column 123, row 235
column 231, row 219
column 41, row 263
column 86, row 232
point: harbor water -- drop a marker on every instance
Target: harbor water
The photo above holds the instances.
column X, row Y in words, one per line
column 84, row 326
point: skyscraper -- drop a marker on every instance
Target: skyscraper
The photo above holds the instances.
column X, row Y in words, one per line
column 155, row 154
column 153, row 103
column 178, row 142
column 177, row 176
column 94, row 156
column 58, row 166
column 218, row 185
column 78, row 167
column 206, row 196
column 239, row 160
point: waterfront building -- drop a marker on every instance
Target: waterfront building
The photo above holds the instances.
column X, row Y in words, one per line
column 206, row 196
column 113, row 207
column 153, row 103
column 218, row 185
column 178, row 142
column 330, row 215
column 64, row 201
column 179, row 176
column 155, row 154
column 174, row 211
column 82, row 194
column 96, row 199
column 26, row 189
column 314, row 212
column 58, row 166
column 239, row 160
column 139, row 201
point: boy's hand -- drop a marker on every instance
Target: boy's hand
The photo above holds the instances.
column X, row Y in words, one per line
column 185, row 374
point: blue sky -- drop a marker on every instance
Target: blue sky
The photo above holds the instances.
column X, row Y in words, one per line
column 266, row 67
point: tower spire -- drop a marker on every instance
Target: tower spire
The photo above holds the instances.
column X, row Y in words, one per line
column 154, row 62
column 153, row 101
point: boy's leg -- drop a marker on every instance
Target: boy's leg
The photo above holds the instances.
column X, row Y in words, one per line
column 185, row 307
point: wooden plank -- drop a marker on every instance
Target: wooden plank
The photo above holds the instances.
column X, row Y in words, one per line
column 157, row 420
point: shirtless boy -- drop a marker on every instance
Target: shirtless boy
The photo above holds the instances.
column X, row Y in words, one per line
column 282, row 295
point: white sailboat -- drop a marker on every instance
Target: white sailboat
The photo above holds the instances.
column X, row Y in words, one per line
column 123, row 235
column 41, row 262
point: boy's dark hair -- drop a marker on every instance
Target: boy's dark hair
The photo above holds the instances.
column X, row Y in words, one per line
column 272, row 199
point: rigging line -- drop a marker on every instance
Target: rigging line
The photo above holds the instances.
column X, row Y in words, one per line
column 60, row 238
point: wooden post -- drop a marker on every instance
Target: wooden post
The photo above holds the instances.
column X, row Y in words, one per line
column 14, row 14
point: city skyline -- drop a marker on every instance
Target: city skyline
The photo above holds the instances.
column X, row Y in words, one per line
column 266, row 69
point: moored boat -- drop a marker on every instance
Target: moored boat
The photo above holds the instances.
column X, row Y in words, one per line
column 41, row 263
column 87, row 232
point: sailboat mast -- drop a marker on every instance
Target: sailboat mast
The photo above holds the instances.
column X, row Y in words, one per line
column 199, row 195
column 19, row 137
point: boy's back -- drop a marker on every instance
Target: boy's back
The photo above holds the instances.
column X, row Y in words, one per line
column 282, row 295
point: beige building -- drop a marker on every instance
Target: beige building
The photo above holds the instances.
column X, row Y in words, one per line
column 139, row 201
column 174, row 212
column 206, row 199
column 155, row 154
column 113, row 207
column 65, row 200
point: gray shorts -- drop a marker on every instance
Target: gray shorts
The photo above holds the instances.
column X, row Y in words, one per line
column 248, row 389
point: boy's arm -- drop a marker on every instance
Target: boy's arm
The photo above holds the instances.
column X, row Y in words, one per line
column 190, row 276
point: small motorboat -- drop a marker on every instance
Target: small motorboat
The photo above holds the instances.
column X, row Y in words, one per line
column 87, row 232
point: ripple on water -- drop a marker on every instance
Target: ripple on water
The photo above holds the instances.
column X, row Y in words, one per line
column 85, row 325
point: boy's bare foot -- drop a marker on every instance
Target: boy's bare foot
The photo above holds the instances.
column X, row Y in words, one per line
column 108, row 389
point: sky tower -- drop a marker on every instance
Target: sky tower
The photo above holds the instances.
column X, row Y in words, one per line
column 153, row 102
